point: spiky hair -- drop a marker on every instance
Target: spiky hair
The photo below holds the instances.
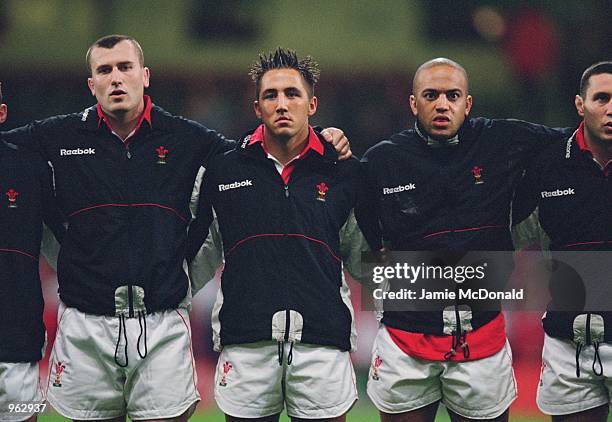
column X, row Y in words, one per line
column 285, row 59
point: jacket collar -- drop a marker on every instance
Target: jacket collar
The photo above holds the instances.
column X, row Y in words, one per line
column 252, row 144
column 437, row 143
column 93, row 117
column 576, row 143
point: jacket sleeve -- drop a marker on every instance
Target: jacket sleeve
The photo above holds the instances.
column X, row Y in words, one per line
column 367, row 209
column 203, row 267
column 202, row 212
column 526, row 195
column 29, row 137
column 525, row 137
column 352, row 245
column 212, row 143
column 526, row 230
column 52, row 215
column 54, row 227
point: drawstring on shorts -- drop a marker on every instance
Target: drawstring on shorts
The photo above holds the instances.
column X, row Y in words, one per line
column 281, row 352
column 124, row 330
column 142, row 322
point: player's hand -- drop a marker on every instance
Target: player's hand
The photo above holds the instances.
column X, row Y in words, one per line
column 339, row 141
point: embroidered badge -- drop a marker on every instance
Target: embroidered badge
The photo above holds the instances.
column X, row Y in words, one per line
column 12, row 198
column 321, row 191
column 375, row 367
column 226, row 368
column 477, row 173
column 162, row 152
column 59, row 369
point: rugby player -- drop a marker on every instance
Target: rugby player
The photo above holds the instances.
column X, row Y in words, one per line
column 283, row 320
column 461, row 172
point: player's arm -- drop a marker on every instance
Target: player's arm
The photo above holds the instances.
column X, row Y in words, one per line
column 526, row 230
column 29, row 137
column 520, row 136
column 526, row 196
column 367, row 208
column 54, row 228
column 203, row 214
column 209, row 257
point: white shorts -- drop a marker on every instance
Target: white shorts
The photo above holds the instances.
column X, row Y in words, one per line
column 19, row 382
column 85, row 381
column 318, row 384
column 478, row 389
column 560, row 392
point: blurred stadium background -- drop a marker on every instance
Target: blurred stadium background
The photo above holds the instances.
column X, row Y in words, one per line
column 524, row 59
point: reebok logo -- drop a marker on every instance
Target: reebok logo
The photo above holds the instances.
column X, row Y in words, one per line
column 400, row 188
column 78, row 151
column 558, row 192
column 235, row 185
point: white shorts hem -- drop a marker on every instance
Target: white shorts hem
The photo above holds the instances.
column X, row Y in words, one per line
column 237, row 409
column 552, row 409
column 488, row 413
column 82, row 414
column 172, row 412
column 394, row 408
column 15, row 417
column 327, row 413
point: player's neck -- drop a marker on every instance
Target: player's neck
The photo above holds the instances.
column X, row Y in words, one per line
column 285, row 150
column 124, row 123
column 601, row 150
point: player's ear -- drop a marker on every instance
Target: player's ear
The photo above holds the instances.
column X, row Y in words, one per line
column 312, row 106
column 579, row 102
column 90, row 84
column 257, row 109
column 3, row 113
column 468, row 105
column 413, row 106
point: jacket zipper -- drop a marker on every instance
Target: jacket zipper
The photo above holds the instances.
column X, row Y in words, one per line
column 130, row 286
column 588, row 329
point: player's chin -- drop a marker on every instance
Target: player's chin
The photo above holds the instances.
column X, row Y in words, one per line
column 438, row 133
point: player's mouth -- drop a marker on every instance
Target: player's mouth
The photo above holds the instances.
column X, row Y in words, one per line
column 282, row 120
column 441, row 121
column 117, row 93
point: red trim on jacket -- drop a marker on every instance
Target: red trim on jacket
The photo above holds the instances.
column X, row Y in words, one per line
column 146, row 114
column 255, row 236
column 314, row 143
column 93, row 207
column 19, row 252
column 581, row 142
column 482, row 342
column 468, row 229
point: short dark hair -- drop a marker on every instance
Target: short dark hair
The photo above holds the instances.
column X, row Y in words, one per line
column 596, row 69
column 285, row 59
column 109, row 41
